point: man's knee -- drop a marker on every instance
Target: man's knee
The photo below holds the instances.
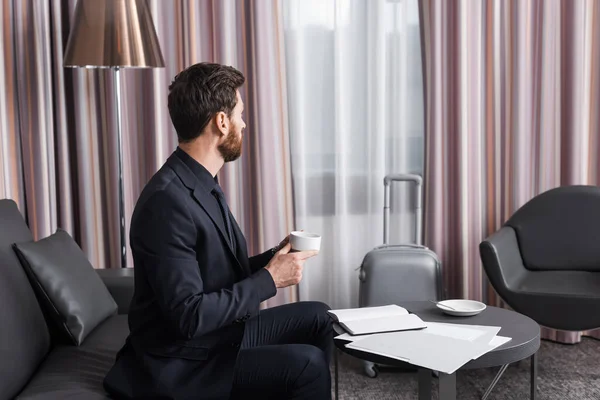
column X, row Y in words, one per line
column 317, row 307
column 321, row 309
column 314, row 309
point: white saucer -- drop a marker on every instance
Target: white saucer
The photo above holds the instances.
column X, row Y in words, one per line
column 462, row 308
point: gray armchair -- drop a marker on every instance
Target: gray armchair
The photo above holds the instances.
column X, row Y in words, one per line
column 545, row 260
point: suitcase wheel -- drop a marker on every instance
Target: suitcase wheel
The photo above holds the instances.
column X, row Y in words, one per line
column 370, row 369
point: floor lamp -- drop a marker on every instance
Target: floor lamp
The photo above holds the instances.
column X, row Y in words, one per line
column 114, row 34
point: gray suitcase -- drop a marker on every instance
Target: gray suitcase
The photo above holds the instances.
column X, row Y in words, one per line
column 405, row 272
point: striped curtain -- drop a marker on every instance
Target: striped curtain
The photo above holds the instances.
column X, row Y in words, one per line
column 512, row 106
column 58, row 143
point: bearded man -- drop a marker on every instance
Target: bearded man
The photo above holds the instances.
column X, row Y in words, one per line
column 196, row 331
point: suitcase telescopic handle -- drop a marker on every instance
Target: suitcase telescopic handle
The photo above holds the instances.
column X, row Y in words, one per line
column 418, row 181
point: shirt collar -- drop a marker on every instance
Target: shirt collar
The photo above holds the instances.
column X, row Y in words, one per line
column 206, row 179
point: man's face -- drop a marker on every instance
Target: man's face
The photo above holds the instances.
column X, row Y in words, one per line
column 231, row 147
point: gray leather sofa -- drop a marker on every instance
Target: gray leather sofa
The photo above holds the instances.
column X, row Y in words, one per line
column 35, row 361
column 545, row 260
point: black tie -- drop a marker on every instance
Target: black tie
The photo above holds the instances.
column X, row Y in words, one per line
column 218, row 193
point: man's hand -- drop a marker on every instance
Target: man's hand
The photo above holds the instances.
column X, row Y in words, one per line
column 286, row 268
column 282, row 244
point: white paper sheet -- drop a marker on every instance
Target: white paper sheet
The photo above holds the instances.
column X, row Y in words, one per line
column 461, row 331
column 440, row 352
column 496, row 342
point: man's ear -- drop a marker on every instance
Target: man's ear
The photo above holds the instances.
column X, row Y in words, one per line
column 222, row 122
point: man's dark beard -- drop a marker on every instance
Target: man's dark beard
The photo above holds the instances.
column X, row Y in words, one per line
column 231, row 148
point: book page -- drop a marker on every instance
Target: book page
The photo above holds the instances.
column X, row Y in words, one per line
column 350, row 338
column 355, row 314
column 384, row 324
column 456, row 331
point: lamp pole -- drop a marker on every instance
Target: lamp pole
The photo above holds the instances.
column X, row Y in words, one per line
column 117, row 90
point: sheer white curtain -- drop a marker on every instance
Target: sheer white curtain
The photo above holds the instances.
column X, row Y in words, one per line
column 355, row 100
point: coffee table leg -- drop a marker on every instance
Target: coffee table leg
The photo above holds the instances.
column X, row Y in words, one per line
column 447, row 386
column 494, row 382
column 534, row 376
column 337, row 372
column 424, row 384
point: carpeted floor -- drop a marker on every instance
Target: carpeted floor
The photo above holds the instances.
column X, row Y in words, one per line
column 565, row 372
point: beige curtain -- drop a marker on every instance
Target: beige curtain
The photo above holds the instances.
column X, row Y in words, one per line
column 512, row 109
column 58, row 144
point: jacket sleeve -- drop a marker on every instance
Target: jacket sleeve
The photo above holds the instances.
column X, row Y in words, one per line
column 163, row 238
column 260, row 261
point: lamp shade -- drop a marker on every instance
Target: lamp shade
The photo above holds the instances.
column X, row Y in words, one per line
column 113, row 33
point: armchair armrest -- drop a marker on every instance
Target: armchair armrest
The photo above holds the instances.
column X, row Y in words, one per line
column 502, row 259
column 119, row 282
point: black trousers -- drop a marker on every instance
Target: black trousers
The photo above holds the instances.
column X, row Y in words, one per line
column 285, row 354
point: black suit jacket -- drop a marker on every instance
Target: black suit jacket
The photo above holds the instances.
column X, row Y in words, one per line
column 193, row 292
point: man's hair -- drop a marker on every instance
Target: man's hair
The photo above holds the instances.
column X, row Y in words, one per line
column 198, row 93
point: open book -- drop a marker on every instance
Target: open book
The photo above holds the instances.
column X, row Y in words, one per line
column 361, row 321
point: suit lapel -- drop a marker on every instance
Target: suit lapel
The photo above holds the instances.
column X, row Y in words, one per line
column 242, row 252
column 206, row 201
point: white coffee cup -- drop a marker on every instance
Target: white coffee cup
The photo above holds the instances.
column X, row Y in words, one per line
column 302, row 241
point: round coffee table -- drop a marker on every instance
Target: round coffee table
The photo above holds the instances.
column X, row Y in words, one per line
column 525, row 334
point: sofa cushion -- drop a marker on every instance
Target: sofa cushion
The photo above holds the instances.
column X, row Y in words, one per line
column 67, row 282
column 24, row 336
column 77, row 372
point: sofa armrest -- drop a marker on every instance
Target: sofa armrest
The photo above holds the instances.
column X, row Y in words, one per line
column 502, row 259
column 119, row 282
